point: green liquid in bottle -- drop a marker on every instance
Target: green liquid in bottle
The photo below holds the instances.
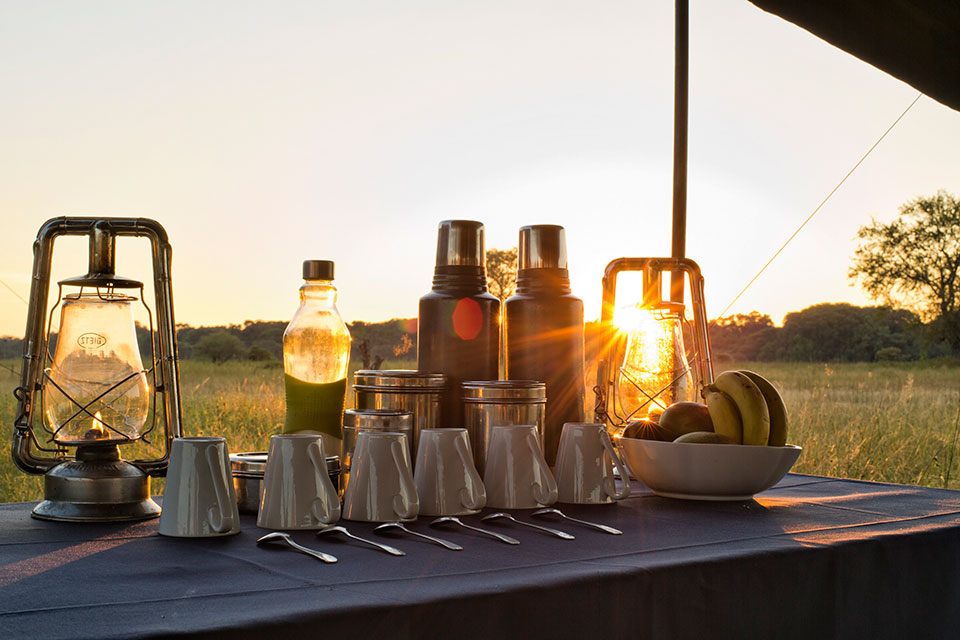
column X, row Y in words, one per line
column 315, row 406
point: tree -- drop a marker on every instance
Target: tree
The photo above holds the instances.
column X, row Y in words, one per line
column 741, row 337
column 220, row 346
column 914, row 261
column 502, row 272
column 841, row 332
column 258, row 353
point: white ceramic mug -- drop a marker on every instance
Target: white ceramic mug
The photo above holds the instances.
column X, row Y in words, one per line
column 516, row 474
column 448, row 483
column 585, row 461
column 381, row 485
column 297, row 492
column 199, row 500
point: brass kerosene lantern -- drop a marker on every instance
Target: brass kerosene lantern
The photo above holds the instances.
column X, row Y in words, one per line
column 94, row 392
column 651, row 354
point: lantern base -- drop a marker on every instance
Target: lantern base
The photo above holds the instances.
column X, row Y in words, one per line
column 96, row 490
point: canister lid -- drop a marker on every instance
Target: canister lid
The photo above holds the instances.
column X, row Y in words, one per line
column 252, row 464
column 378, row 419
column 398, row 380
column 524, row 391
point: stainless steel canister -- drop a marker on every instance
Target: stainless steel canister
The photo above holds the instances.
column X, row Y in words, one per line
column 490, row 403
column 248, row 468
column 357, row 420
column 403, row 390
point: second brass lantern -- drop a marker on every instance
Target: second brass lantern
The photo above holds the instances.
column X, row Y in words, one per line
column 651, row 354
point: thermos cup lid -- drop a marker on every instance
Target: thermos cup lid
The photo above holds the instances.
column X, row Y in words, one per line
column 543, row 246
column 460, row 243
column 318, row 269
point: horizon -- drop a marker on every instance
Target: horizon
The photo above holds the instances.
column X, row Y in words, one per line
column 587, row 320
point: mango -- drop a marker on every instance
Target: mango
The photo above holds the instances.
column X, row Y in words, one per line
column 705, row 437
column 685, row 417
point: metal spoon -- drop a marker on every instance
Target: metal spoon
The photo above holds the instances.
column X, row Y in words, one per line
column 595, row 525
column 383, row 547
column 553, row 532
column 455, row 520
column 279, row 536
column 386, row 526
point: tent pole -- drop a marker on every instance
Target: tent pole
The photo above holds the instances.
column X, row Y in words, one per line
column 680, row 92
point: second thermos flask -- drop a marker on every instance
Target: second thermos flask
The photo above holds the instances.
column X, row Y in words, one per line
column 544, row 330
column 458, row 333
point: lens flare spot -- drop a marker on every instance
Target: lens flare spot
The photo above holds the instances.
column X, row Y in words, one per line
column 467, row 319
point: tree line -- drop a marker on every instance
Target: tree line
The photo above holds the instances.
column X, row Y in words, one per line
column 373, row 342
column 831, row 332
column 258, row 340
column 828, row 332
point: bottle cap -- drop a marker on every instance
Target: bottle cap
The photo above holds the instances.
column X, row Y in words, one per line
column 318, row 269
column 543, row 246
column 460, row 243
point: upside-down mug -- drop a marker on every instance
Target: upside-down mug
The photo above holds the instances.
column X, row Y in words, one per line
column 199, row 500
column 516, row 474
column 585, row 462
column 448, row 483
column 297, row 492
column 381, row 485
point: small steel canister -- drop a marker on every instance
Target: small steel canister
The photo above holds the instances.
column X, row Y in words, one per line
column 248, row 468
column 357, row 420
column 490, row 403
column 403, row 390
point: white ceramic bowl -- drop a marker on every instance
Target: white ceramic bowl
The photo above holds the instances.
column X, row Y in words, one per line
column 696, row 471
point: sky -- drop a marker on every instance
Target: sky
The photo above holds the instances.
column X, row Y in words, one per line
column 261, row 134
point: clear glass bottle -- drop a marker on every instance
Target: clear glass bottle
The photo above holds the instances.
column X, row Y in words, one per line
column 316, row 356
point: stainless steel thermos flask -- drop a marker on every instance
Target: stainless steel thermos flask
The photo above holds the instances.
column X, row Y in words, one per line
column 458, row 333
column 544, row 330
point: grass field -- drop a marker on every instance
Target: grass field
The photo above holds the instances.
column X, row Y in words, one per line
column 887, row 422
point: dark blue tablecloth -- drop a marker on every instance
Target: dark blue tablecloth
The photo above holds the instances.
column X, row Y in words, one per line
column 811, row 558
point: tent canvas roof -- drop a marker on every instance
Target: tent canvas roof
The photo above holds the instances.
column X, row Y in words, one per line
column 916, row 41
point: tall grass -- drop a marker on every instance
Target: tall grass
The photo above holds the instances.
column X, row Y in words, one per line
column 886, row 422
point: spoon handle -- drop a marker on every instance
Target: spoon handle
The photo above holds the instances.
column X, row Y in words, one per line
column 498, row 536
column 440, row 541
column 554, row 532
column 383, row 547
column 319, row 555
column 596, row 525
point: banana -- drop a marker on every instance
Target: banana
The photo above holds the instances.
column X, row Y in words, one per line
column 725, row 415
column 776, row 407
column 751, row 403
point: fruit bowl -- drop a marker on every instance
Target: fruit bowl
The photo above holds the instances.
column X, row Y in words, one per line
column 695, row 471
